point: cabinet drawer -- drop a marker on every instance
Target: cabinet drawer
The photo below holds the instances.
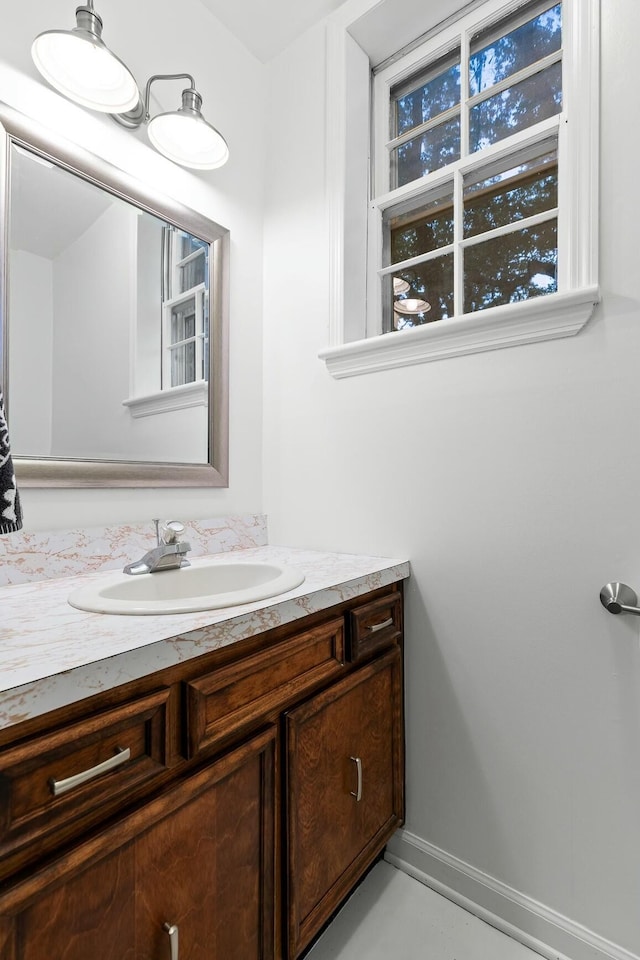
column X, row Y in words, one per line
column 222, row 702
column 52, row 779
column 374, row 625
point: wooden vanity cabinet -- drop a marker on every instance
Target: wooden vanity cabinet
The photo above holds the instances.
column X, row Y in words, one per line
column 199, row 858
column 262, row 781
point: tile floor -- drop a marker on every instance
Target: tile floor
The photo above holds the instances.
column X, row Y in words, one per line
column 391, row 916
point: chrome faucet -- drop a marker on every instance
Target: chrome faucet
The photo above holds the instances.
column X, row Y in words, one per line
column 169, row 552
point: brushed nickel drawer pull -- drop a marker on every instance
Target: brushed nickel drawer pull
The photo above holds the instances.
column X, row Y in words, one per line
column 381, row 626
column 358, row 793
column 172, row 930
column 59, row 787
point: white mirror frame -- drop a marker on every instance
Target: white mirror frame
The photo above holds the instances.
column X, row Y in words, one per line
column 16, row 128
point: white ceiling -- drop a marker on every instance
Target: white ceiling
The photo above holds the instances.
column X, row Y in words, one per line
column 266, row 28
column 71, row 205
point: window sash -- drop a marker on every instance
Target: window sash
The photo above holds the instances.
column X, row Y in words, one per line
column 511, row 81
column 522, row 14
column 522, row 147
column 406, row 73
column 177, row 260
column 200, row 337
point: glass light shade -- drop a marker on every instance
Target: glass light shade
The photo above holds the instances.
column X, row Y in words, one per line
column 82, row 67
column 187, row 139
column 411, row 307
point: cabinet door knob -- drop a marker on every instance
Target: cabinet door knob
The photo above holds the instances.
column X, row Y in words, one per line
column 358, row 793
column 172, row 930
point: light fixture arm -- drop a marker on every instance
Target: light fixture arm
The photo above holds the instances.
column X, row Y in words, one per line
column 140, row 113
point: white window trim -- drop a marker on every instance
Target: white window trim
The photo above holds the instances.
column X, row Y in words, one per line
column 547, row 317
column 164, row 401
column 541, row 318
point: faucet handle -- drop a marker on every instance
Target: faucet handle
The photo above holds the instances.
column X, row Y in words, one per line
column 171, row 531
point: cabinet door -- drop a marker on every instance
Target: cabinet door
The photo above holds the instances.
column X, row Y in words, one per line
column 76, row 917
column 202, row 871
column 345, row 790
column 199, row 857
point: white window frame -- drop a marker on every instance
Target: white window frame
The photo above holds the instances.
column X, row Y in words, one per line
column 196, row 392
column 356, row 343
column 200, row 297
column 200, row 294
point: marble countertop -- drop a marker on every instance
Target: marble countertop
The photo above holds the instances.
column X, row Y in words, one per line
column 52, row 654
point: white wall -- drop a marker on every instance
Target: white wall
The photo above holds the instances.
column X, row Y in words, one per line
column 147, row 354
column 96, row 304
column 158, row 36
column 93, row 296
column 31, row 353
column 511, row 480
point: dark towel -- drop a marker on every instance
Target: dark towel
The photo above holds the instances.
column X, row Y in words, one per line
column 10, row 509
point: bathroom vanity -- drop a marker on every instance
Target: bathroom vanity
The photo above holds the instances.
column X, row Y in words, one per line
column 221, row 806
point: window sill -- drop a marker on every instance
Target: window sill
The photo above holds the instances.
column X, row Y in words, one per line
column 543, row 318
column 177, row 398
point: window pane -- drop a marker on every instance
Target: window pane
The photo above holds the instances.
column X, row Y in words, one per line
column 430, row 151
column 431, row 282
column 504, row 56
column 528, row 102
column 521, row 192
column 183, row 364
column 183, row 321
column 189, row 244
column 410, row 232
column 510, row 268
column 190, row 325
column 430, row 96
column 177, row 367
column 190, row 362
column 192, row 273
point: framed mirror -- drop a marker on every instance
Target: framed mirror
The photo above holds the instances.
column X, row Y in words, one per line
column 114, row 322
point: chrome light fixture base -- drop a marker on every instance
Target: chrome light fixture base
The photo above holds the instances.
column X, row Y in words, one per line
column 132, row 119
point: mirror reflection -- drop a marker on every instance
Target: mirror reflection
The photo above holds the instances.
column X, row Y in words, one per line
column 108, row 319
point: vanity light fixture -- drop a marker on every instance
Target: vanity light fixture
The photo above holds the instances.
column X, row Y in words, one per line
column 404, row 306
column 411, row 307
column 79, row 65
column 183, row 135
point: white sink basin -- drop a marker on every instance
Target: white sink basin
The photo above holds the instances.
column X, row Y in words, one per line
column 205, row 586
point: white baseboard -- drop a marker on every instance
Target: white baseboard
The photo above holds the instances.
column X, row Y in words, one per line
column 531, row 923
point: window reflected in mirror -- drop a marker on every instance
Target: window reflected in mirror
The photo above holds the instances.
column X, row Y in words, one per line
column 108, row 329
